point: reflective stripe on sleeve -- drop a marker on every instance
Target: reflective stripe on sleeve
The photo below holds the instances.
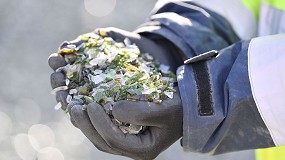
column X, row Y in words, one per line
column 240, row 17
column 266, row 65
column 276, row 3
column 271, row 20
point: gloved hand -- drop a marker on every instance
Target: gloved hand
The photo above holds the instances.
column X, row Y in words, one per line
column 57, row 79
column 165, row 120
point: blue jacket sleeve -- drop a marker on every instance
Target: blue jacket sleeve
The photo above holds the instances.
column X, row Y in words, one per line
column 190, row 28
column 219, row 112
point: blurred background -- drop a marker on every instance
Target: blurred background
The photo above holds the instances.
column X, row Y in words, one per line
column 30, row 30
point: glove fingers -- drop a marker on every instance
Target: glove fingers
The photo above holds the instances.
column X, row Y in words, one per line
column 61, row 97
column 110, row 132
column 57, row 79
column 138, row 113
column 55, row 61
column 82, row 121
column 69, row 106
column 118, row 34
column 147, row 113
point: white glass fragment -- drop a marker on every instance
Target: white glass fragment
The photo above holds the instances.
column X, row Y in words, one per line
column 57, row 106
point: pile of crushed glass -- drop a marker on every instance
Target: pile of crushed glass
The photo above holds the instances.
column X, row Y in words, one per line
column 104, row 71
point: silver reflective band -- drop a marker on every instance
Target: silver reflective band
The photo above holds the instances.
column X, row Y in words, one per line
column 266, row 61
column 271, row 20
column 239, row 16
column 202, row 57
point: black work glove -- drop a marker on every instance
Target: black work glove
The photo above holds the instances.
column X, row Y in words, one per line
column 164, row 120
column 57, row 79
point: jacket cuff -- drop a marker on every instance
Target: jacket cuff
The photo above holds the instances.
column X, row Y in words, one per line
column 219, row 112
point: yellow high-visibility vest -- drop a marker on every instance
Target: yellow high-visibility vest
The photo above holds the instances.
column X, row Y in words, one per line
column 254, row 5
column 275, row 153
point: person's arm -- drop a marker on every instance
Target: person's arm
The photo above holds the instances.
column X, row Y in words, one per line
column 221, row 112
column 166, row 118
column 191, row 28
column 211, row 128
